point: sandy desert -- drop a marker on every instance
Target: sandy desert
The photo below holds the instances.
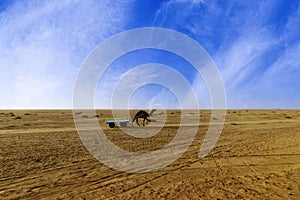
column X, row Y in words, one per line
column 256, row 157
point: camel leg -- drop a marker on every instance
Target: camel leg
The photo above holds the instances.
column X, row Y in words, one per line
column 144, row 121
column 148, row 120
column 137, row 121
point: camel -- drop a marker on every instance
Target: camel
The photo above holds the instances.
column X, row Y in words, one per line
column 142, row 114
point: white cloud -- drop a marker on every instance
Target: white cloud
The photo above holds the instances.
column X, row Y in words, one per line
column 144, row 86
column 191, row 1
column 256, row 54
column 43, row 43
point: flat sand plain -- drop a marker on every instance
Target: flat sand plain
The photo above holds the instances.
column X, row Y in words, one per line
column 256, row 157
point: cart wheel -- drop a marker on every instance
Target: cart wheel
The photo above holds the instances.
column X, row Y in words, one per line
column 112, row 125
column 123, row 124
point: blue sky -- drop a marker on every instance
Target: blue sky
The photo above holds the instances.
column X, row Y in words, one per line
column 255, row 45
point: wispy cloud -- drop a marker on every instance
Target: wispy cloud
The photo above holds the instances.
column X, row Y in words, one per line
column 254, row 44
column 145, row 86
column 43, row 43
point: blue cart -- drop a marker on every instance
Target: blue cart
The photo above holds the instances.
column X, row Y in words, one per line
column 112, row 122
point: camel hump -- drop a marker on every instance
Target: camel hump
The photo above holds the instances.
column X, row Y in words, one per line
column 141, row 114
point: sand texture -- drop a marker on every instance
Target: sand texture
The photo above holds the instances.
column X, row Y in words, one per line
column 256, row 157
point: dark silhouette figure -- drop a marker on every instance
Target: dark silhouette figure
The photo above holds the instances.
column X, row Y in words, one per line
column 142, row 114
